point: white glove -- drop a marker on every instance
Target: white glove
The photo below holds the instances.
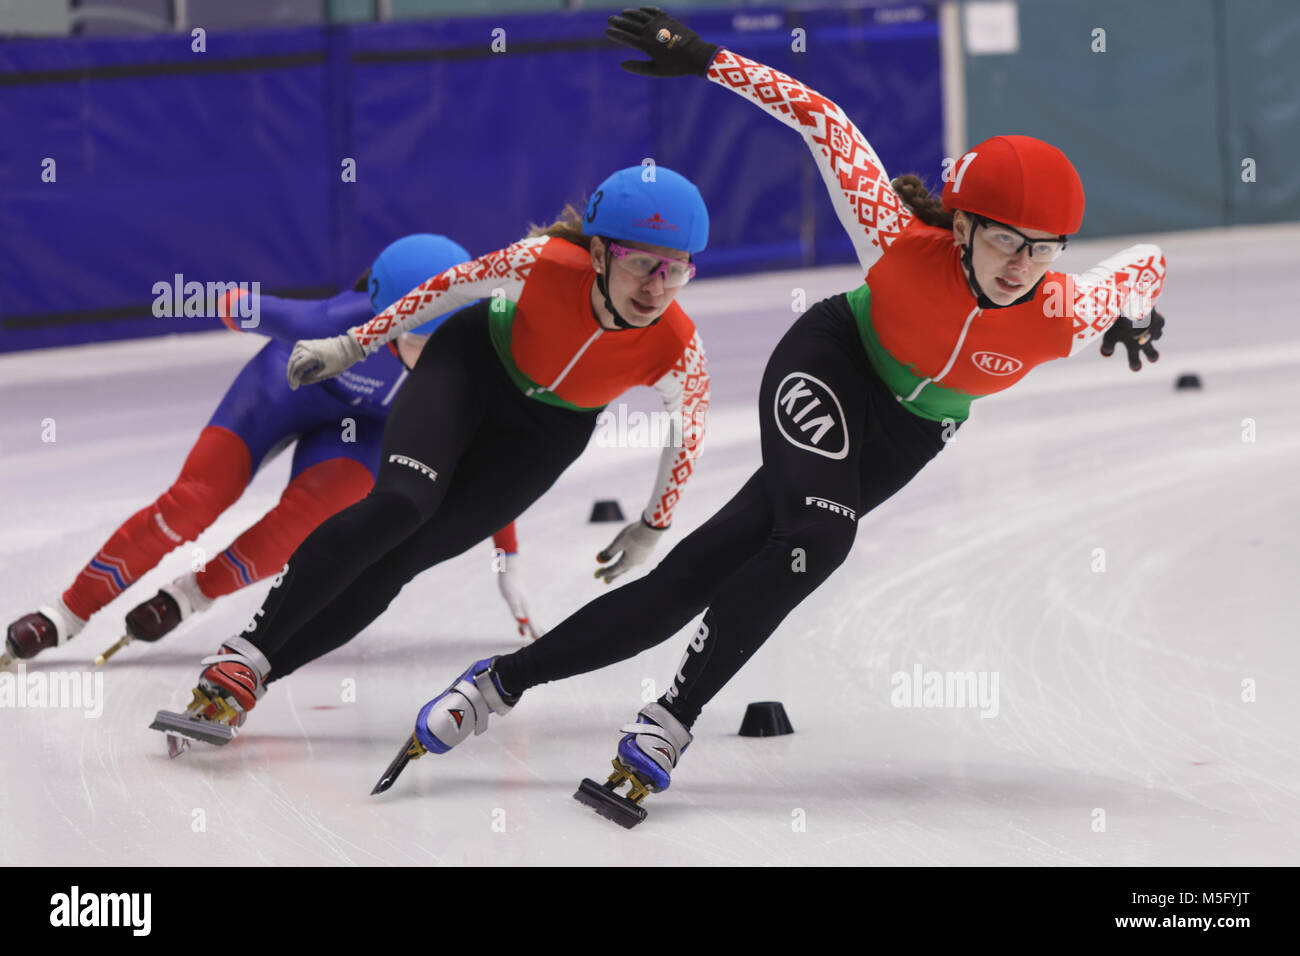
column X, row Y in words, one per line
column 636, row 541
column 512, row 589
column 315, row 359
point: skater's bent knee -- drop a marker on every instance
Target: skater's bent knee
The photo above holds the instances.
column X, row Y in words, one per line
column 398, row 501
column 822, row 540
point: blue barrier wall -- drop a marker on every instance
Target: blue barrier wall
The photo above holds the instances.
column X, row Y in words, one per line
column 226, row 165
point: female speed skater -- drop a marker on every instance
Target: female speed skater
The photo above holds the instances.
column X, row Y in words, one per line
column 855, row 399
column 337, row 426
column 504, row 398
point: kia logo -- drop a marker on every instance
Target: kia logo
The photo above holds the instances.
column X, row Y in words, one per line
column 809, row 416
column 995, row 363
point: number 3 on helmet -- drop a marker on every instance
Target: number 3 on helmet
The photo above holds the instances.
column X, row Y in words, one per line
column 650, row 204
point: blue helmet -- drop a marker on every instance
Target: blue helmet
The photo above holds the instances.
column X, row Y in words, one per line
column 650, row 204
column 408, row 262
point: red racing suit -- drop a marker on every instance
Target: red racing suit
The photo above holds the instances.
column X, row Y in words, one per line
column 919, row 320
column 543, row 330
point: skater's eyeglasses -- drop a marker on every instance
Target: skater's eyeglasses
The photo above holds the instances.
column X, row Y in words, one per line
column 646, row 265
column 1009, row 241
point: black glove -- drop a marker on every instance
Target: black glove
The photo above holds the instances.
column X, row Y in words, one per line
column 673, row 49
column 1135, row 339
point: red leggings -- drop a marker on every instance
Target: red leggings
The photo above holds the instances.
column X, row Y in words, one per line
column 214, row 475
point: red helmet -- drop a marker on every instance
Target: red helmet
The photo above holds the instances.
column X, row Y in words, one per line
column 1019, row 181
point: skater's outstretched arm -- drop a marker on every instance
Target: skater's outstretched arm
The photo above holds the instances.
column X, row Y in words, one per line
column 1115, row 297
column 684, row 388
column 867, row 206
column 497, row 275
column 289, row 320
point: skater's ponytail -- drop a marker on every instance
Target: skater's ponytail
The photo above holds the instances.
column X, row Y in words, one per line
column 568, row 227
column 927, row 208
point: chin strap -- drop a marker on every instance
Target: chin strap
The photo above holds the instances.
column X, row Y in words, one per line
column 982, row 300
column 621, row 322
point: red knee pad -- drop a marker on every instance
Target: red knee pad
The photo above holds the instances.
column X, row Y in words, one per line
column 315, row 494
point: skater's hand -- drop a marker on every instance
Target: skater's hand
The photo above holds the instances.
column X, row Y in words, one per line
column 636, row 541
column 673, row 49
column 512, row 589
column 1136, row 338
column 314, row 360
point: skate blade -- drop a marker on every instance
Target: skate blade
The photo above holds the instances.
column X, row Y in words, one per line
column 187, row 725
column 608, row 804
column 411, row 749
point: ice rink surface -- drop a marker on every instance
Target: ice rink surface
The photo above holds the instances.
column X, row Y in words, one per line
column 1146, row 714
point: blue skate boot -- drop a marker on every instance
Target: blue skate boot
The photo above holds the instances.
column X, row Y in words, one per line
column 449, row 718
column 645, row 761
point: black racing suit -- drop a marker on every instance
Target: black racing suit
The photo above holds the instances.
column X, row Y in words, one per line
column 836, row 443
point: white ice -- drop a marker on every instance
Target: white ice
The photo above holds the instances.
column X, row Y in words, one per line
column 1147, row 714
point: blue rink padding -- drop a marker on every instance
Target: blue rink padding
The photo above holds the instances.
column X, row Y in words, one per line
column 227, row 165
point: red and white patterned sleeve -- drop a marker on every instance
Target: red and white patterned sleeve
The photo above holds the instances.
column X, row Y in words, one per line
column 1127, row 283
column 685, row 391
column 500, row 273
column 871, row 212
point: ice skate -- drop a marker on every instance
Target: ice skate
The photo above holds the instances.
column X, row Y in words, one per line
column 161, row 614
column 232, row 682
column 450, row 717
column 646, row 758
column 46, row 627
